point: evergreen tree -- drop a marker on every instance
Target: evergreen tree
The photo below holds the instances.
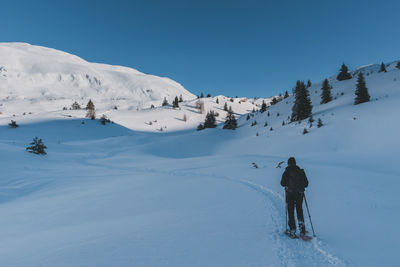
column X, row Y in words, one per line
column 308, row 84
column 311, row 120
column 283, row 123
column 344, row 73
column 208, row 95
column 180, row 99
column 286, row 94
column 254, row 110
column 302, row 107
column 398, row 65
column 263, row 107
column 165, row 102
column 305, row 131
column 201, row 95
column 91, row 112
column 200, row 127
column 362, row 94
column 217, row 101
column 274, row 101
column 326, row 95
column 210, row 121
column 271, row 129
column 37, row 147
column 248, row 117
column 104, row 120
column 230, row 122
column 226, row 106
column 13, row 124
column 266, row 124
column 268, row 114
column 319, row 125
column 76, row 106
column 175, row 104
column 383, row 68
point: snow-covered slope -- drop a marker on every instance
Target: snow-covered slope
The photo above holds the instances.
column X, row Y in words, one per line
column 37, row 75
column 107, row 195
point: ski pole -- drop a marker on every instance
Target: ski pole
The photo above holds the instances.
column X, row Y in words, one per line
column 309, row 216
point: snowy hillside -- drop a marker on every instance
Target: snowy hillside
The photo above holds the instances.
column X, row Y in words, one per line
column 37, row 75
column 123, row 194
column 38, row 83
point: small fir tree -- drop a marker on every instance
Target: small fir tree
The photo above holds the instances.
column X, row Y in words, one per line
column 104, row 120
column 254, row 110
column 271, row 129
column 320, row 124
column 91, row 111
column 200, row 127
column 180, row 99
column 76, row 106
column 344, row 73
column 210, row 121
column 305, row 131
column 201, row 95
column 37, row 147
column 230, row 122
column 175, row 104
column 326, row 95
column 362, row 94
column 283, row 123
column 248, row 117
column 268, row 114
column 208, row 95
column 13, row 124
column 308, row 84
column 286, row 94
column 217, row 101
column 165, row 102
column 382, row 68
column 226, row 106
column 398, row 65
column 263, row 107
column 311, row 120
column 274, row 101
column 266, row 124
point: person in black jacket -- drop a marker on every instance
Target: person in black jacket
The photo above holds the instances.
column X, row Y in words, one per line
column 295, row 181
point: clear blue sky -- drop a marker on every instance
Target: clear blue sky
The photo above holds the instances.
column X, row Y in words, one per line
column 251, row 48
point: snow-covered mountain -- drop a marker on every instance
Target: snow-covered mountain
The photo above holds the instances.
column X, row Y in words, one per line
column 38, row 75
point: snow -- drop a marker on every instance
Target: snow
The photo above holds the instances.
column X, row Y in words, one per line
column 126, row 194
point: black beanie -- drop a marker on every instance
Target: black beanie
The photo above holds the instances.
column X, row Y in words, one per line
column 291, row 161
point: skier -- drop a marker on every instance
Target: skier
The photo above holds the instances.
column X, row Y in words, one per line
column 294, row 180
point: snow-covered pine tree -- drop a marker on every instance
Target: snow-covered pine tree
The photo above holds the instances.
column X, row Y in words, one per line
column 210, row 121
column 263, row 107
column 362, row 94
column 382, row 68
column 91, row 111
column 175, row 104
column 226, row 106
column 326, row 95
column 76, row 106
column 302, row 107
column 104, row 120
column 230, row 122
column 13, row 124
column 344, row 73
column 165, row 102
column 286, row 94
column 319, row 124
column 37, row 147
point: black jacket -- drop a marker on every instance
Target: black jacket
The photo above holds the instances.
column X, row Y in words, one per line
column 294, row 179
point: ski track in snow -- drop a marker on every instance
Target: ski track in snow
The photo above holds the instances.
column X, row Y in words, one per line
column 290, row 252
